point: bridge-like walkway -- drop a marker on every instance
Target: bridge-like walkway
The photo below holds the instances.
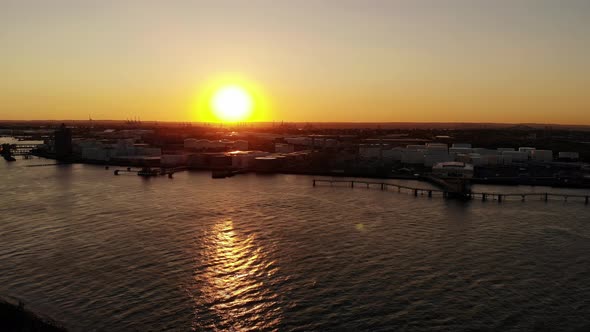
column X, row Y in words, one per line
column 430, row 192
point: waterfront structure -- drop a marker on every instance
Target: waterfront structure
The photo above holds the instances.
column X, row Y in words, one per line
column 106, row 150
column 430, row 154
column 453, row 170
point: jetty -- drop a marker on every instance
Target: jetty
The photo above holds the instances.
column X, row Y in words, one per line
column 431, row 192
column 149, row 171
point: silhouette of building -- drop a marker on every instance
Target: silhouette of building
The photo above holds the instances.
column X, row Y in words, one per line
column 63, row 142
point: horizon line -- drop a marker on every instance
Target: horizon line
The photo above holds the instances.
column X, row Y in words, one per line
column 302, row 122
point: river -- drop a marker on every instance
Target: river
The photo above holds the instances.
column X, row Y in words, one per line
column 100, row 252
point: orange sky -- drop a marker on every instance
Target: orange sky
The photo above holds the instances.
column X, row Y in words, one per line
column 365, row 61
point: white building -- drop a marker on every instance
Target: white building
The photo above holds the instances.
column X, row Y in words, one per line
column 453, row 169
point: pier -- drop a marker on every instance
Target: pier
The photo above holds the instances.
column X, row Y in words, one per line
column 20, row 149
column 430, row 192
column 149, row 171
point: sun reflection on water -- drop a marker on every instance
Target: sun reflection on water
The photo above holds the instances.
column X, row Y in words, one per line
column 235, row 287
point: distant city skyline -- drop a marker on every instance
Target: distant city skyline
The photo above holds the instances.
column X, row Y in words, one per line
column 319, row 61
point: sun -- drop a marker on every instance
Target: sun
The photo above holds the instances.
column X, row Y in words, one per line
column 232, row 103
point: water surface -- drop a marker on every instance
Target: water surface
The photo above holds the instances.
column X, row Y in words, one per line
column 118, row 253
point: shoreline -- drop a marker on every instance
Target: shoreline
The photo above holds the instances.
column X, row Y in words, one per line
column 501, row 181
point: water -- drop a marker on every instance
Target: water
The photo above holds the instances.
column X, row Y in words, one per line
column 121, row 253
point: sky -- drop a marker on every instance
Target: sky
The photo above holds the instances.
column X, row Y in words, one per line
column 508, row 61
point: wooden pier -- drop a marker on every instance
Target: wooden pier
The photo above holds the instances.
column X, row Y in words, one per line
column 430, row 192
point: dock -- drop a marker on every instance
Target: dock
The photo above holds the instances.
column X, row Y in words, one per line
column 150, row 171
column 431, row 192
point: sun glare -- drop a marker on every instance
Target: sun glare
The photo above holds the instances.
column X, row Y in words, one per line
column 232, row 104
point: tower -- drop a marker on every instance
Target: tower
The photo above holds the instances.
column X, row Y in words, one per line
column 63, row 142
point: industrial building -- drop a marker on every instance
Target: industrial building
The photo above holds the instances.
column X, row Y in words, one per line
column 430, row 154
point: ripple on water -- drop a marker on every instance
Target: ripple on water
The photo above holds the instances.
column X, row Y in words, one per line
column 274, row 253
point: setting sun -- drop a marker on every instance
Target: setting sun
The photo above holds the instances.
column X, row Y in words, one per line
column 232, row 103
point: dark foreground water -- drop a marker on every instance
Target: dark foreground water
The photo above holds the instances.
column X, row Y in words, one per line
column 106, row 253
